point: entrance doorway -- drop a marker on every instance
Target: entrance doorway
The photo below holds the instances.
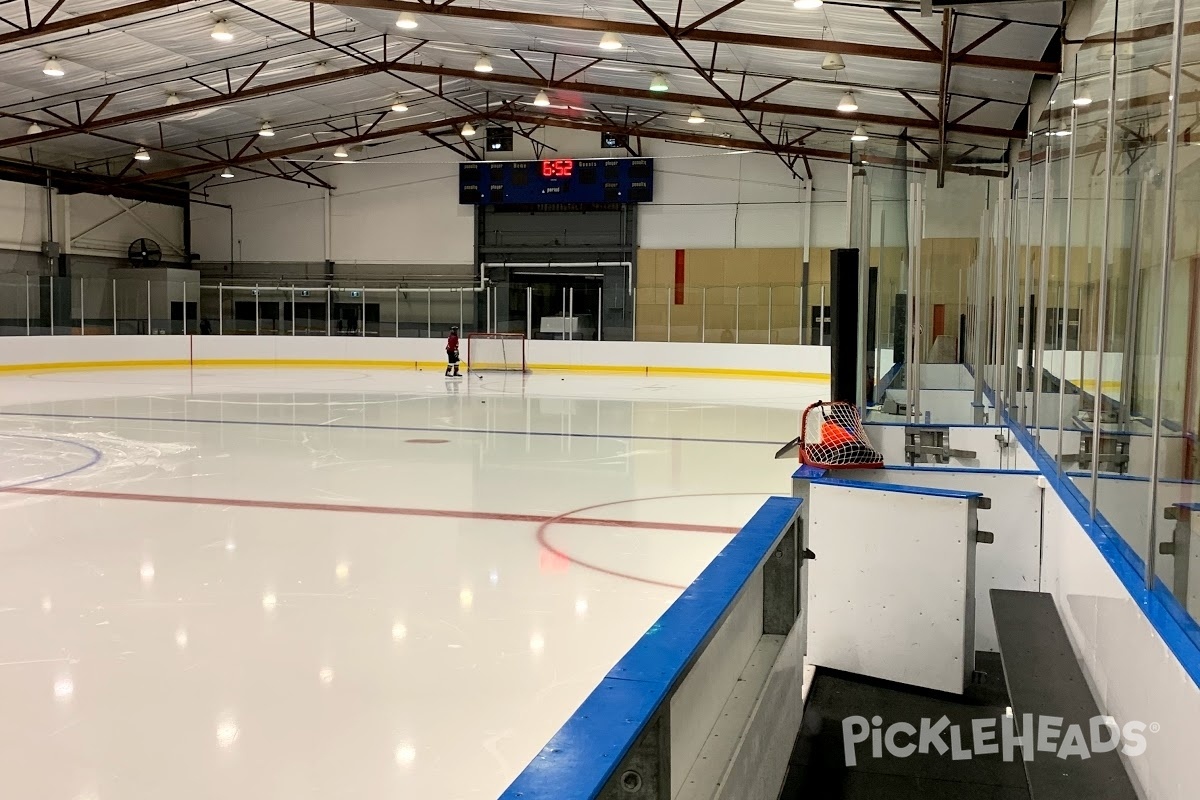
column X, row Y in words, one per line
column 552, row 305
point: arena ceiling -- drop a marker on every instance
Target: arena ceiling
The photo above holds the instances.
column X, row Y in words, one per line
column 326, row 75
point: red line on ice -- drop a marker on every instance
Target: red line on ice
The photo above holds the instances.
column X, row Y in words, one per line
column 448, row 513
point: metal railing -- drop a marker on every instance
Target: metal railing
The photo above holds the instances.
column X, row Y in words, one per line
column 86, row 306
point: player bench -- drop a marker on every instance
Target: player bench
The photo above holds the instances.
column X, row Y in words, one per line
column 1045, row 680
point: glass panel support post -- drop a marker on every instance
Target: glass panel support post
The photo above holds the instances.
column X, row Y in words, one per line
column 1102, row 288
column 1066, row 291
column 1168, row 254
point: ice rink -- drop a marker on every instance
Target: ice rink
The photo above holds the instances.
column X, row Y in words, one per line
column 334, row 583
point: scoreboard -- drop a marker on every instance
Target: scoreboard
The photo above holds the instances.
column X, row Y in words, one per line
column 559, row 180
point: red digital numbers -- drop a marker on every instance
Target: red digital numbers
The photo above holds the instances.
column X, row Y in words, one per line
column 558, row 168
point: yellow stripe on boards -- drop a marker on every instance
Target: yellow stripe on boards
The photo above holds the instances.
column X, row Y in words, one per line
column 329, row 363
column 1090, row 383
column 63, row 366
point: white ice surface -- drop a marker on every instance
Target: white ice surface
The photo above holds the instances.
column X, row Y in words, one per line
column 196, row 609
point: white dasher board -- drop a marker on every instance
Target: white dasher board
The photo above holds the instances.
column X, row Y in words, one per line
column 891, row 593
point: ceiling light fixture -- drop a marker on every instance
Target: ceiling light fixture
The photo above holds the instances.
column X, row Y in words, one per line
column 221, row 32
column 34, row 129
column 321, row 68
column 847, row 103
column 484, row 64
column 406, row 21
column 541, row 100
column 142, row 154
column 659, row 83
column 808, row 5
column 1084, row 98
column 172, row 99
column 1062, row 132
column 226, row 173
column 468, row 130
column 696, row 117
column 398, row 105
column 340, row 152
column 610, row 41
column 266, row 130
column 53, row 68
column 859, row 135
column 833, row 61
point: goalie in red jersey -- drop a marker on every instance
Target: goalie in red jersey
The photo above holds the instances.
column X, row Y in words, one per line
column 452, row 354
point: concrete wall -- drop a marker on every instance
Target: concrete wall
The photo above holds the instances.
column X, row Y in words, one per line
column 94, row 233
column 402, row 212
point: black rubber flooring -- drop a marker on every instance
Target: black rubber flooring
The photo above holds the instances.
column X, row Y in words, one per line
column 819, row 771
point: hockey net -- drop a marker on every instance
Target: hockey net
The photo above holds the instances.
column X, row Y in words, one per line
column 832, row 436
column 496, row 352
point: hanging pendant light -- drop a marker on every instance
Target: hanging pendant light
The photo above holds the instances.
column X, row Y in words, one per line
column 542, row 100
column 221, row 32
column 834, row 62
column 859, row 135
column 468, row 130
column 142, row 154
column 847, row 103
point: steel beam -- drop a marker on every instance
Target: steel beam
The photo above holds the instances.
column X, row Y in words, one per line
column 923, row 55
column 285, row 152
column 709, row 17
column 944, row 94
column 707, row 76
column 164, row 112
column 709, row 101
column 450, row 124
column 45, row 27
column 396, row 68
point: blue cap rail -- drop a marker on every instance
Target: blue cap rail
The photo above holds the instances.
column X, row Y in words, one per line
column 582, row 756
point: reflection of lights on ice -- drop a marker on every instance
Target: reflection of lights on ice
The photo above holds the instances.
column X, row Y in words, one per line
column 466, row 598
column 325, row 676
column 537, row 643
column 47, row 604
column 181, row 638
column 230, row 545
column 227, row 731
column 399, row 631
column 147, row 571
column 406, row 754
column 269, row 601
column 581, row 607
column 342, row 571
column 64, row 688
column 494, row 577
